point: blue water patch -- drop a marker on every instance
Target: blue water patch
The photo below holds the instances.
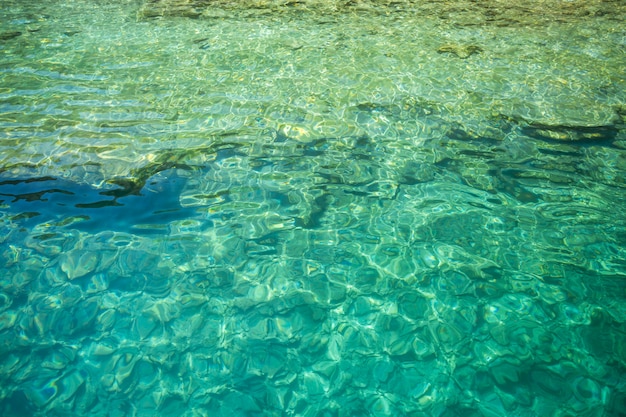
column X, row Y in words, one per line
column 156, row 203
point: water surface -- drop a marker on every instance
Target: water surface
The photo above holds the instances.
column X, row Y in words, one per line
column 312, row 209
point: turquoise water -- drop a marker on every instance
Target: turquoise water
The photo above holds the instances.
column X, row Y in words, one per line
column 312, row 209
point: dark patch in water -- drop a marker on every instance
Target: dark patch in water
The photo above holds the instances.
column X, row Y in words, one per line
column 580, row 135
column 16, row 405
column 153, row 201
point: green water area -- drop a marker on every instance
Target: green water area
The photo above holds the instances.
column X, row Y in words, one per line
column 312, row 208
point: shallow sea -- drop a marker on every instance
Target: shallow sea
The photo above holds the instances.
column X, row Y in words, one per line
column 312, row 210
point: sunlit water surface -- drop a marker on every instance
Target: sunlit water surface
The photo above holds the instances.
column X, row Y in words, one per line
column 310, row 213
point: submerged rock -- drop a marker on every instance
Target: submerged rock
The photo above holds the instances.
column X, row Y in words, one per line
column 5, row 36
column 460, row 51
column 461, row 13
column 579, row 134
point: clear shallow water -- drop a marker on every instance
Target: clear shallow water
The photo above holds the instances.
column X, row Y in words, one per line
column 286, row 212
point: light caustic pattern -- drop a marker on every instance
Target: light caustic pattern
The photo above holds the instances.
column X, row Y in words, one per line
column 356, row 213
